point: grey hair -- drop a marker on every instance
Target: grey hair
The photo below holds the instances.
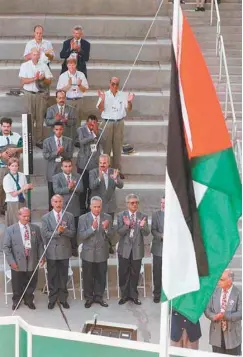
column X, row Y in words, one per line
column 131, row 195
column 230, row 274
column 95, row 198
column 105, row 156
column 78, row 28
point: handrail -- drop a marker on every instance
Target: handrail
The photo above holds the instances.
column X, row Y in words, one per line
column 218, row 24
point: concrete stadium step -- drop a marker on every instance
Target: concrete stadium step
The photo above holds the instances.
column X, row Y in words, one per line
column 136, row 131
column 222, row 7
column 155, row 77
column 203, row 19
column 229, row 53
column 235, row 87
column 224, row 14
column 205, row 44
column 94, row 26
column 237, row 96
column 210, row 30
column 77, row 7
column 226, row 36
column 236, row 262
column 231, row 61
column 145, row 103
column 102, row 49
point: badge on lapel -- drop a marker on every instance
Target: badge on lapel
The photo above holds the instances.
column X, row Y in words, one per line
column 231, row 302
column 33, row 233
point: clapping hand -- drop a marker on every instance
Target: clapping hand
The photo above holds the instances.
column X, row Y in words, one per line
column 115, row 175
column 105, row 224
column 61, row 229
column 95, row 224
column 60, row 149
column 101, row 95
column 14, row 266
column 130, row 97
column 142, row 222
column 79, row 82
column 218, row 317
column 126, row 221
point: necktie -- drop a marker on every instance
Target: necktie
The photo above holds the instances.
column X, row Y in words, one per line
column 59, row 142
column 132, row 221
column 223, row 308
column 68, row 179
column 8, row 141
column 26, row 238
column 58, row 217
column 61, row 110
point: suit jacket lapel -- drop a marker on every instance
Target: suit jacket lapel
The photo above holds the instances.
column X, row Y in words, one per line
column 53, row 143
column 63, row 178
column 231, row 298
column 18, row 233
column 53, row 220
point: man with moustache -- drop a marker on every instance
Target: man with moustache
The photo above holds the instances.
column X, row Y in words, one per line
column 59, row 250
column 64, row 184
column 64, row 113
column 94, row 230
column 132, row 227
column 23, row 248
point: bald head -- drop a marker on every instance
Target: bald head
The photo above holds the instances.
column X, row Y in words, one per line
column 114, row 84
column 24, row 215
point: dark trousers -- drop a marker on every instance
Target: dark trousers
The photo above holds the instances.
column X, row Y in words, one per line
column 57, row 274
column 129, row 271
column 94, row 280
column 85, row 195
column 234, row 351
column 19, row 281
column 50, row 194
column 157, row 275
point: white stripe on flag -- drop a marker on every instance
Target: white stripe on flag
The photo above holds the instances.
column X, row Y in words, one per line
column 179, row 267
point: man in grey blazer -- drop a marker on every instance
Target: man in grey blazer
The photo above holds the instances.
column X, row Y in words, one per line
column 64, row 184
column 55, row 148
column 88, row 136
column 132, row 227
column 59, row 250
column 157, row 230
column 94, row 230
column 64, row 113
column 23, row 248
column 103, row 182
column 225, row 312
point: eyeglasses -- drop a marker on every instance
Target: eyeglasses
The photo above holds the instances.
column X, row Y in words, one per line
column 114, row 84
column 133, row 202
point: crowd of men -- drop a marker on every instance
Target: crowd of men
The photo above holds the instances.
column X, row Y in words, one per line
column 82, row 201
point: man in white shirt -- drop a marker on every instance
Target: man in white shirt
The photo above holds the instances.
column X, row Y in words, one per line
column 75, row 84
column 113, row 105
column 45, row 47
column 225, row 312
column 23, row 248
column 11, row 145
column 36, row 79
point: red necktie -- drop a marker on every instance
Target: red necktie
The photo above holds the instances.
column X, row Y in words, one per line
column 26, row 238
column 223, row 309
column 68, row 179
column 132, row 221
column 58, row 143
column 58, row 217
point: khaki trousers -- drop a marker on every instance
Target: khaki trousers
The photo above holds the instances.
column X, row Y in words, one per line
column 11, row 215
column 36, row 105
column 3, row 172
column 78, row 104
column 113, row 140
column 184, row 342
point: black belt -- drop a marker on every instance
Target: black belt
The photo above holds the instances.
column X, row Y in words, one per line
column 74, row 98
column 113, row 119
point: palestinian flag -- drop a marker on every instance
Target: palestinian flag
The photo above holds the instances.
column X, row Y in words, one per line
column 203, row 188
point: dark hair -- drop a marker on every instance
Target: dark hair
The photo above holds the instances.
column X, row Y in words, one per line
column 60, row 91
column 66, row 160
column 58, row 123
column 6, row 120
column 92, row 117
column 38, row 26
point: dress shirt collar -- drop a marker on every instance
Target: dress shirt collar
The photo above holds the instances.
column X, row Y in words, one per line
column 60, row 107
column 68, row 175
column 24, row 225
column 56, row 138
column 72, row 75
column 94, row 217
column 55, row 213
column 130, row 214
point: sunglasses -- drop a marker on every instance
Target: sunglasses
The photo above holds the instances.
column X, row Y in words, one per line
column 114, row 84
column 133, row 202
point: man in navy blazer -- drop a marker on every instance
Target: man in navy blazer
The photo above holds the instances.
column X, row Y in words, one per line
column 78, row 48
column 184, row 333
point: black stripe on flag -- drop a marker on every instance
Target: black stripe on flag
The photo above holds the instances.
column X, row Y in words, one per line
column 179, row 170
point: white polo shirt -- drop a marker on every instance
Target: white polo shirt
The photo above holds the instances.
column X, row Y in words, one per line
column 29, row 69
column 9, row 186
column 43, row 46
column 115, row 106
column 74, row 92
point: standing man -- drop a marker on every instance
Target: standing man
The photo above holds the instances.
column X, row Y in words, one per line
column 64, row 184
column 36, row 78
column 113, row 105
column 55, row 148
column 64, row 113
column 103, row 182
column 88, row 136
column 45, row 47
column 132, row 227
column 23, row 248
column 157, row 230
column 93, row 232
column 77, row 48
column 184, row 333
column 225, row 312
column 11, row 145
column 59, row 250
column 75, row 84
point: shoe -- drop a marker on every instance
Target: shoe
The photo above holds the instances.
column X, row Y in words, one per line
column 30, row 305
column 202, row 8
column 122, row 301
column 136, row 301
column 156, row 300
column 127, row 149
column 51, row 305
column 39, row 144
column 14, row 306
column 75, row 253
column 197, row 8
column 122, row 177
column 182, row 1
column 65, row 305
column 102, row 303
column 88, row 304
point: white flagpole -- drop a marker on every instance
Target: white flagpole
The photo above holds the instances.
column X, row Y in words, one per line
column 164, row 317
